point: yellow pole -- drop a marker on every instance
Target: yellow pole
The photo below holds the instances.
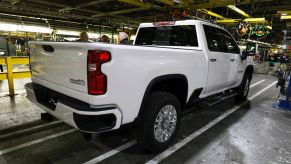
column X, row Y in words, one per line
column 10, row 76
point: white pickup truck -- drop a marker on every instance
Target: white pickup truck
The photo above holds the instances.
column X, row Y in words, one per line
column 97, row 87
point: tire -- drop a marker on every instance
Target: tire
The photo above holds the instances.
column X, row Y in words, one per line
column 243, row 89
column 150, row 134
column 87, row 136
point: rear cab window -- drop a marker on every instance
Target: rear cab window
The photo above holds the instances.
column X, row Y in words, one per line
column 181, row 35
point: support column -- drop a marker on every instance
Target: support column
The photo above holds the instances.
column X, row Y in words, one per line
column 10, row 76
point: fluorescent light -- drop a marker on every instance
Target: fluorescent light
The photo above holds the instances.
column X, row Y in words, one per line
column 34, row 29
column 228, row 21
column 285, row 16
column 238, row 11
column 269, row 27
column 254, row 20
column 8, row 27
column 24, row 28
column 211, row 13
column 66, row 32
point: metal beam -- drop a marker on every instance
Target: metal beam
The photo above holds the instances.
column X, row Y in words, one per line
column 34, row 11
column 216, row 3
column 273, row 8
column 81, row 5
column 55, row 23
column 286, row 12
column 119, row 12
column 84, row 10
column 62, row 6
column 167, row 2
column 141, row 5
column 255, row 1
column 137, row 3
column 31, row 11
column 50, row 3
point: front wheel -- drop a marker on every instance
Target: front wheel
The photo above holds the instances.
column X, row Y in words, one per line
column 160, row 122
column 243, row 89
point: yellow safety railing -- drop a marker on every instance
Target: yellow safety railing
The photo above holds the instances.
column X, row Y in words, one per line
column 10, row 75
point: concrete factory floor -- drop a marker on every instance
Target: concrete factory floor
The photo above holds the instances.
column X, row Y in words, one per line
column 252, row 132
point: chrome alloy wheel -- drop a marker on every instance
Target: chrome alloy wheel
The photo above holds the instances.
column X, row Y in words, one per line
column 246, row 89
column 165, row 123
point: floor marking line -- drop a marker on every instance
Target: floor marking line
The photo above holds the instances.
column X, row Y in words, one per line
column 263, row 90
column 111, row 153
column 8, row 150
column 259, row 82
column 29, row 129
column 183, row 142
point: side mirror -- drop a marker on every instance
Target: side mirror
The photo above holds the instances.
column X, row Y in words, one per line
column 244, row 55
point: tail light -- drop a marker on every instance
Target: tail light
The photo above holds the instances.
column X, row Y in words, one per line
column 97, row 80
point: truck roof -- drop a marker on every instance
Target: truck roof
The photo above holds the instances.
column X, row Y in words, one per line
column 180, row 22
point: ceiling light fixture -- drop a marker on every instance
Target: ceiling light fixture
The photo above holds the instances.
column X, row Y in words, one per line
column 285, row 16
column 228, row 21
column 269, row 27
column 238, row 11
column 254, row 20
column 23, row 28
column 211, row 13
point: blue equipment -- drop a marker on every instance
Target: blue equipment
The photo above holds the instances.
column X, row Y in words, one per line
column 284, row 104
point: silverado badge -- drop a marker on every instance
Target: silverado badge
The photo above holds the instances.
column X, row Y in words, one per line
column 78, row 82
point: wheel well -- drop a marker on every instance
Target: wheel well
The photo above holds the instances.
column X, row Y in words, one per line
column 250, row 70
column 175, row 84
column 177, row 87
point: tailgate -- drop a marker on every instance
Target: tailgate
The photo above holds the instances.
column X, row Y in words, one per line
column 64, row 64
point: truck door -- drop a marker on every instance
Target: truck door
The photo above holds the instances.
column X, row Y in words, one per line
column 218, row 64
column 236, row 64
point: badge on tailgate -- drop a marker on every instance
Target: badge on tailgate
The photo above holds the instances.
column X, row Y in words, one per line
column 78, row 82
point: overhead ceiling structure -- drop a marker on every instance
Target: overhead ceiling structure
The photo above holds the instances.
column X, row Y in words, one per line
column 97, row 14
column 91, row 13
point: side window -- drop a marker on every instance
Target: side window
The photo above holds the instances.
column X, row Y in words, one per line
column 183, row 36
column 146, row 36
column 230, row 44
column 213, row 39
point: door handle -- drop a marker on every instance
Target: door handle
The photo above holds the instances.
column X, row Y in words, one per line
column 213, row 60
column 232, row 60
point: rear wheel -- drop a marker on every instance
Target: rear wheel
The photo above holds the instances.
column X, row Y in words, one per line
column 160, row 122
column 243, row 89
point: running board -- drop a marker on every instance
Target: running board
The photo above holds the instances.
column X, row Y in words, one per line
column 217, row 100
